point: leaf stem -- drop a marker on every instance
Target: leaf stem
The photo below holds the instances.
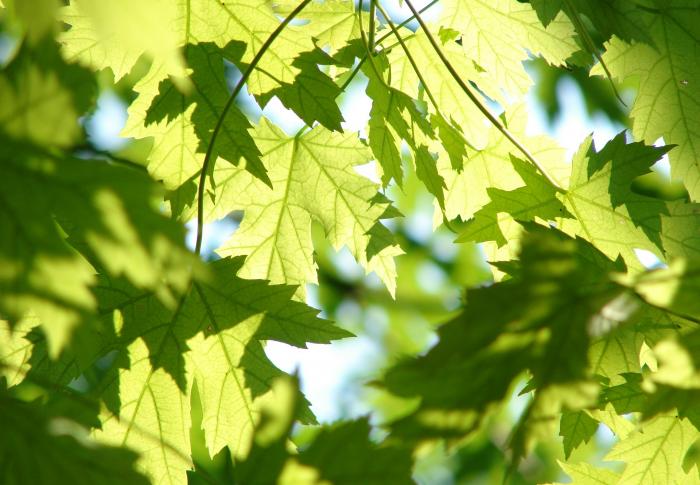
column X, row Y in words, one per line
column 208, row 159
column 372, row 27
column 583, row 32
column 365, row 41
column 410, row 58
column 380, row 40
column 406, row 21
column 474, row 99
column 117, row 159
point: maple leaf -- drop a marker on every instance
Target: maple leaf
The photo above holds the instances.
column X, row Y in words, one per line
column 609, row 17
column 584, row 474
column 498, row 34
column 598, row 205
column 107, row 212
column 181, row 124
column 313, row 180
column 333, row 23
column 666, row 105
column 116, row 35
column 395, row 118
column 576, row 427
column 655, row 453
column 495, row 339
column 43, row 96
column 212, row 338
column 607, row 212
column 447, row 93
column 312, row 94
column 491, row 169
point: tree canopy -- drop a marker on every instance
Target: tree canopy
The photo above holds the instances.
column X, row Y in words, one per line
column 523, row 335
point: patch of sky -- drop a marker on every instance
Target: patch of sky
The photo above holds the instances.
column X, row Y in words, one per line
column 8, row 46
column 419, row 224
column 574, row 123
column 399, row 11
column 214, row 235
column 107, row 122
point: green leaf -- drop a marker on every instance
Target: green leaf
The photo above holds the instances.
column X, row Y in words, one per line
column 182, row 124
column 666, row 104
column 43, row 97
column 314, row 181
column 332, row 23
column 536, row 200
column 153, row 417
column 312, row 94
column 497, row 36
column 609, row 17
column 608, row 213
column 585, row 474
column 108, row 213
column 112, row 36
column 451, row 100
column 576, row 428
column 38, row 17
column 395, row 118
column 452, row 141
column 527, row 322
column 212, row 338
column 362, row 460
column 655, row 453
column 491, row 168
column 41, row 448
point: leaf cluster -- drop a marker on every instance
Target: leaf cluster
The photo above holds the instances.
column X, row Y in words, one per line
column 113, row 331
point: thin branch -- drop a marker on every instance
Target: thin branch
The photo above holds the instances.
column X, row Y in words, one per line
column 477, row 102
column 219, row 123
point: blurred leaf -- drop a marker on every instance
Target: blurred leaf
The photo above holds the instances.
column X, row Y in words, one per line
column 576, row 428
column 41, row 448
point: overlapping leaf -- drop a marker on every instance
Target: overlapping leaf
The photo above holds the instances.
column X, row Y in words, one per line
column 395, row 118
column 109, row 215
column 212, row 338
column 496, row 35
column 43, row 97
column 599, row 205
column 667, row 105
column 447, row 93
column 182, row 124
column 314, row 181
column 655, row 453
column 496, row 338
column 492, row 168
column 116, row 35
column 40, row 448
column 361, row 460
